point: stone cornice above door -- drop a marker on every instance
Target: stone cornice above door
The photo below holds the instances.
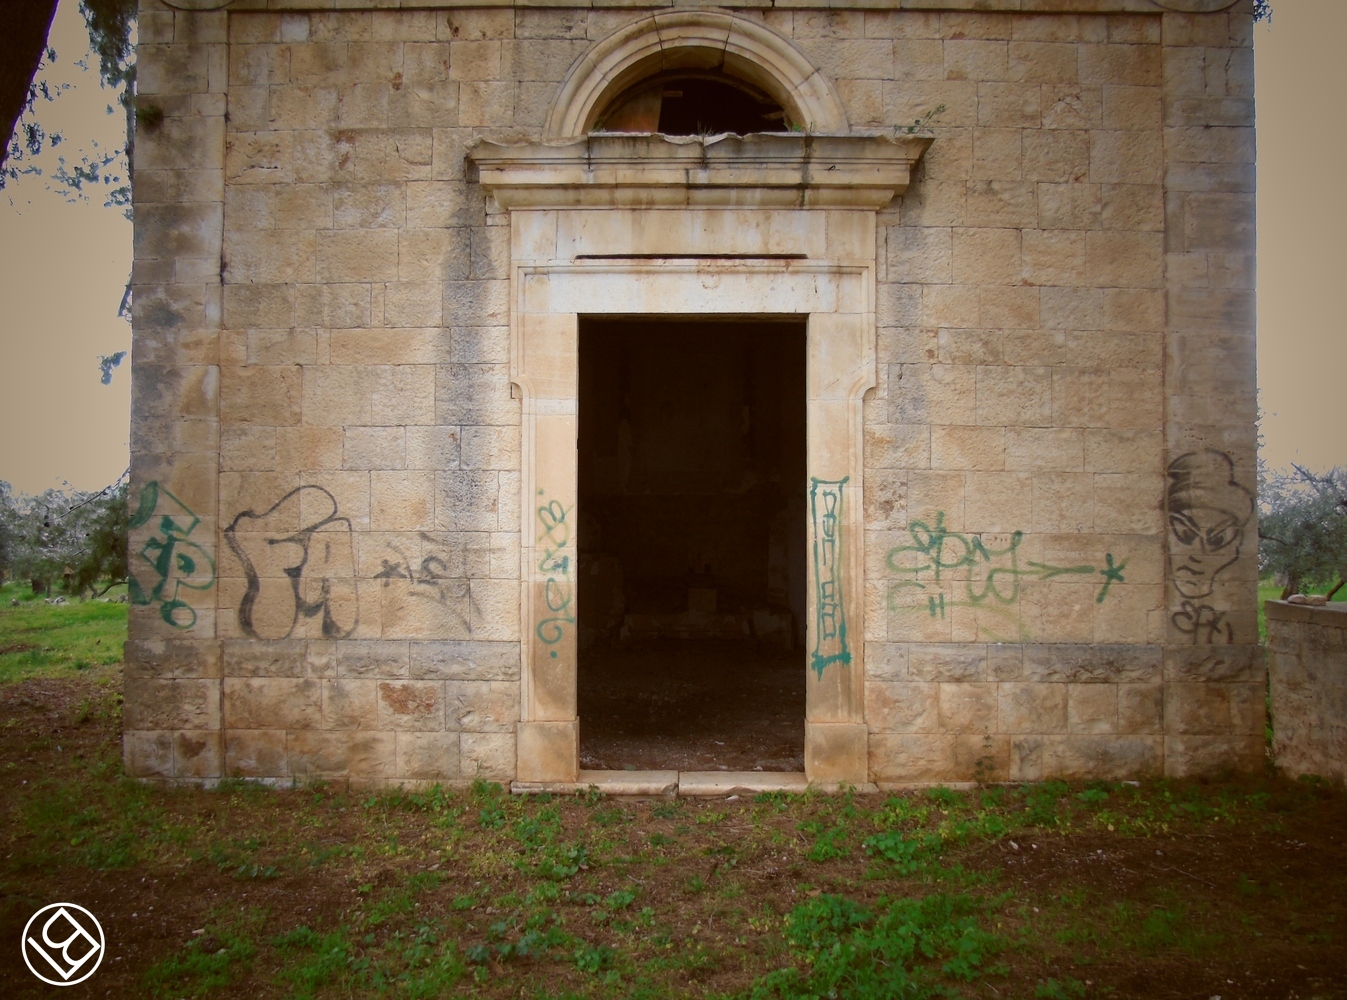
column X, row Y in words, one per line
column 770, row 170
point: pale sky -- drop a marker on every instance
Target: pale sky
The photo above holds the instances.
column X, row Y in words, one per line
column 63, row 268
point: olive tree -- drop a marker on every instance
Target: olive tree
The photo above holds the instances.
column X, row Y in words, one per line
column 1302, row 528
column 75, row 539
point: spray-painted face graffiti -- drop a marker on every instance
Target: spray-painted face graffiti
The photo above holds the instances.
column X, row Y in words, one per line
column 1206, row 541
column 1208, row 512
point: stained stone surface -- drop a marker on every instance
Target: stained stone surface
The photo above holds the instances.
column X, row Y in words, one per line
column 1307, row 661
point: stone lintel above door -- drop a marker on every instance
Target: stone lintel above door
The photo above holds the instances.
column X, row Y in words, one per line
column 767, row 170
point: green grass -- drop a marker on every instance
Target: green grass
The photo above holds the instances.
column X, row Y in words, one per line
column 322, row 891
column 41, row 639
column 411, row 894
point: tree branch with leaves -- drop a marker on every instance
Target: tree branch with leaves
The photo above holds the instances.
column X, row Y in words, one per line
column 1302, row 528
column 24, row 53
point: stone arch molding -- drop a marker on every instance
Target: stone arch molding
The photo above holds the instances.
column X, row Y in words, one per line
column 694, row 39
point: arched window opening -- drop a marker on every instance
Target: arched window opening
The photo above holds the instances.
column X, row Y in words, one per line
column 686, row 102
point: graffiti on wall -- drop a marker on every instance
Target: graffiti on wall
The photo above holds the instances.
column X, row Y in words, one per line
column 1208, row 511
column 830, row 623
column 175, row 562
column 298, row 564
column 429, row 577
column 555, row 564
column 983, row 576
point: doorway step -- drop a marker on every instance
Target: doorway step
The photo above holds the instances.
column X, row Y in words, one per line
column 680, row 783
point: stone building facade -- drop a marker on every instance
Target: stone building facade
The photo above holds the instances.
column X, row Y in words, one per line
column 367, row 232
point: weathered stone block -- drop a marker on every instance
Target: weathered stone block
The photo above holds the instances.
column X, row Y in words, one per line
column 316, row 755
column 1083, row 663
column 313, row 448
column 1031, row 708
column 277, row 658
column 488, row 756
column 482, row 706
column 198, row 754
column 1005, row 661
column 1014, row 395
column 1077, row 757
column 350, row 704
column 1197, row 709
column 469, row 660
column 1092, row 708
column 1140, row 708
column 428, row 756
column 548, row 751
column 262, row 395
column 922, row 392
column 165, row 658
column 898, row 707
column 1187, row 756
column 170, row 704
column 947, row 662
column 255, row 753
column 898, row 446
column 417, row 705
column 402, row 501
column 1000, row 502
column 273, row 703
column 1214, row 663
column 835, row 753
column 148, row 754
column 980, row 448
column 968, row 708
column 900, row 759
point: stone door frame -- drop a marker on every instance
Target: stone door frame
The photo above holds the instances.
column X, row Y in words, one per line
column 710, row 272
column 605, row 224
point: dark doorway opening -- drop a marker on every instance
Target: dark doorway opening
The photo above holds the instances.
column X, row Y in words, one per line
column 692, row 545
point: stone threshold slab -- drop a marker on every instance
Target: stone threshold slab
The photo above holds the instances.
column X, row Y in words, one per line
column 608, row 782
column 740, row 782
column 684, row 783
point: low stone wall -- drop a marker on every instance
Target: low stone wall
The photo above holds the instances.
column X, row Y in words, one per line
column 1308, row 662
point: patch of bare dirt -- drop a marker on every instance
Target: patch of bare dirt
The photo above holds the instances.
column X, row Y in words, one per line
column 1252, row 904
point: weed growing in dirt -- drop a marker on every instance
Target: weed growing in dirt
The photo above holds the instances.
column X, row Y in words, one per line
column 442, row 891
column 898, row 948
column 216, row 956
column 1066, row 989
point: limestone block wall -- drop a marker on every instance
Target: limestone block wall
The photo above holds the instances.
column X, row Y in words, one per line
column 1307, row 665
column 1066, row 375
column 1059, row 574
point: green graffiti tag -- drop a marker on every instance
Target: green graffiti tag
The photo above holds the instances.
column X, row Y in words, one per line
column 175, row 561
column 995, row 572
column 555, row 564
column 830, row 623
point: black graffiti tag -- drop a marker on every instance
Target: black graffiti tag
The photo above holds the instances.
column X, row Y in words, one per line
column 428, row 578
column 297, row 563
